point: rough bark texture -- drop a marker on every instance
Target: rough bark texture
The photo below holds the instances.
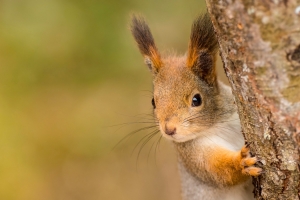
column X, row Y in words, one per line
column 260, row 48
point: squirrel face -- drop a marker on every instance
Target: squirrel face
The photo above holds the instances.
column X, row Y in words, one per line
column 183, row 102
column 186, row 94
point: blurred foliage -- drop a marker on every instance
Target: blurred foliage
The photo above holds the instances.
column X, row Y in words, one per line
column 68, row 71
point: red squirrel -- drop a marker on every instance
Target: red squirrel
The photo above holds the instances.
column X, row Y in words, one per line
column 197, row 112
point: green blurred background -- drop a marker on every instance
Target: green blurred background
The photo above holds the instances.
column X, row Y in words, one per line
column 70, row 71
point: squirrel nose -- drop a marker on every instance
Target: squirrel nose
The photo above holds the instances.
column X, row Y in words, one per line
column 170, row 131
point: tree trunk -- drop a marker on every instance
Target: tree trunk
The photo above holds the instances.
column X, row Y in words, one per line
column 260, row 48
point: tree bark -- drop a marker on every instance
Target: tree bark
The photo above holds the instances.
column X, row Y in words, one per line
column 260, row 48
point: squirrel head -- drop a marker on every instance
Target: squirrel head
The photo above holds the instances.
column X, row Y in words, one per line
column 187, row 99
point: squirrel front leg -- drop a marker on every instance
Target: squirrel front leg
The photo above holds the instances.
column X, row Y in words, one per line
column 230, row 168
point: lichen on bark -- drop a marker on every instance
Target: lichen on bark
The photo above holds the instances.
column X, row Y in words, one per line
column 260, row 48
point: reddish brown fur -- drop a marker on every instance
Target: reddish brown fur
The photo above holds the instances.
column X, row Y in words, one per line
column 155, row 57
column 176, row 81
column 143, row 36
column 219, row 166
column 202, row 49
column 231, row 167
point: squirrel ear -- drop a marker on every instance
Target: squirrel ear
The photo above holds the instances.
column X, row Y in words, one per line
column 142, row 35
column 202, row 50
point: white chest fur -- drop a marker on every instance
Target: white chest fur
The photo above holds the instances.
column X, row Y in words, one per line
column 228, row 135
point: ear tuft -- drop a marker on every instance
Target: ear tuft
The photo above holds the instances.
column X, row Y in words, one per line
column 204, row 67
column 202, row 50
column 142, row 35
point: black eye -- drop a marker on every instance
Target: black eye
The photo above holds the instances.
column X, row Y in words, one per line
column 196, row 101
column 153, row 103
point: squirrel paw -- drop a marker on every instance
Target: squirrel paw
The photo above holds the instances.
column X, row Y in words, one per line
column 247, row 163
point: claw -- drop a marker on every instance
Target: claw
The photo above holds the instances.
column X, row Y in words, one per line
column 247, row 162
column 252, row 171
column 247, row 145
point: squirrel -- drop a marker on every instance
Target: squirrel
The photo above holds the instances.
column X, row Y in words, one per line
column 197, row 112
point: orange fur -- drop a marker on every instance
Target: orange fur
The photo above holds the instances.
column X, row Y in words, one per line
column 193, row 58
column 231, row 167
column 193, row 55
column 197, row 130
column 155, row 57
column 202, row 49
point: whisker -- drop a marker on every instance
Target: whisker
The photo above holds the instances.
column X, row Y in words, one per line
column 147, row 135
column 133, row 132
column 147, row 91
column 144, row 143
column 137, row 115
column 191, row 116
column 150, row 150
column 129, row 123
column 211, row 119
column 198, row 115
column 157, row 145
